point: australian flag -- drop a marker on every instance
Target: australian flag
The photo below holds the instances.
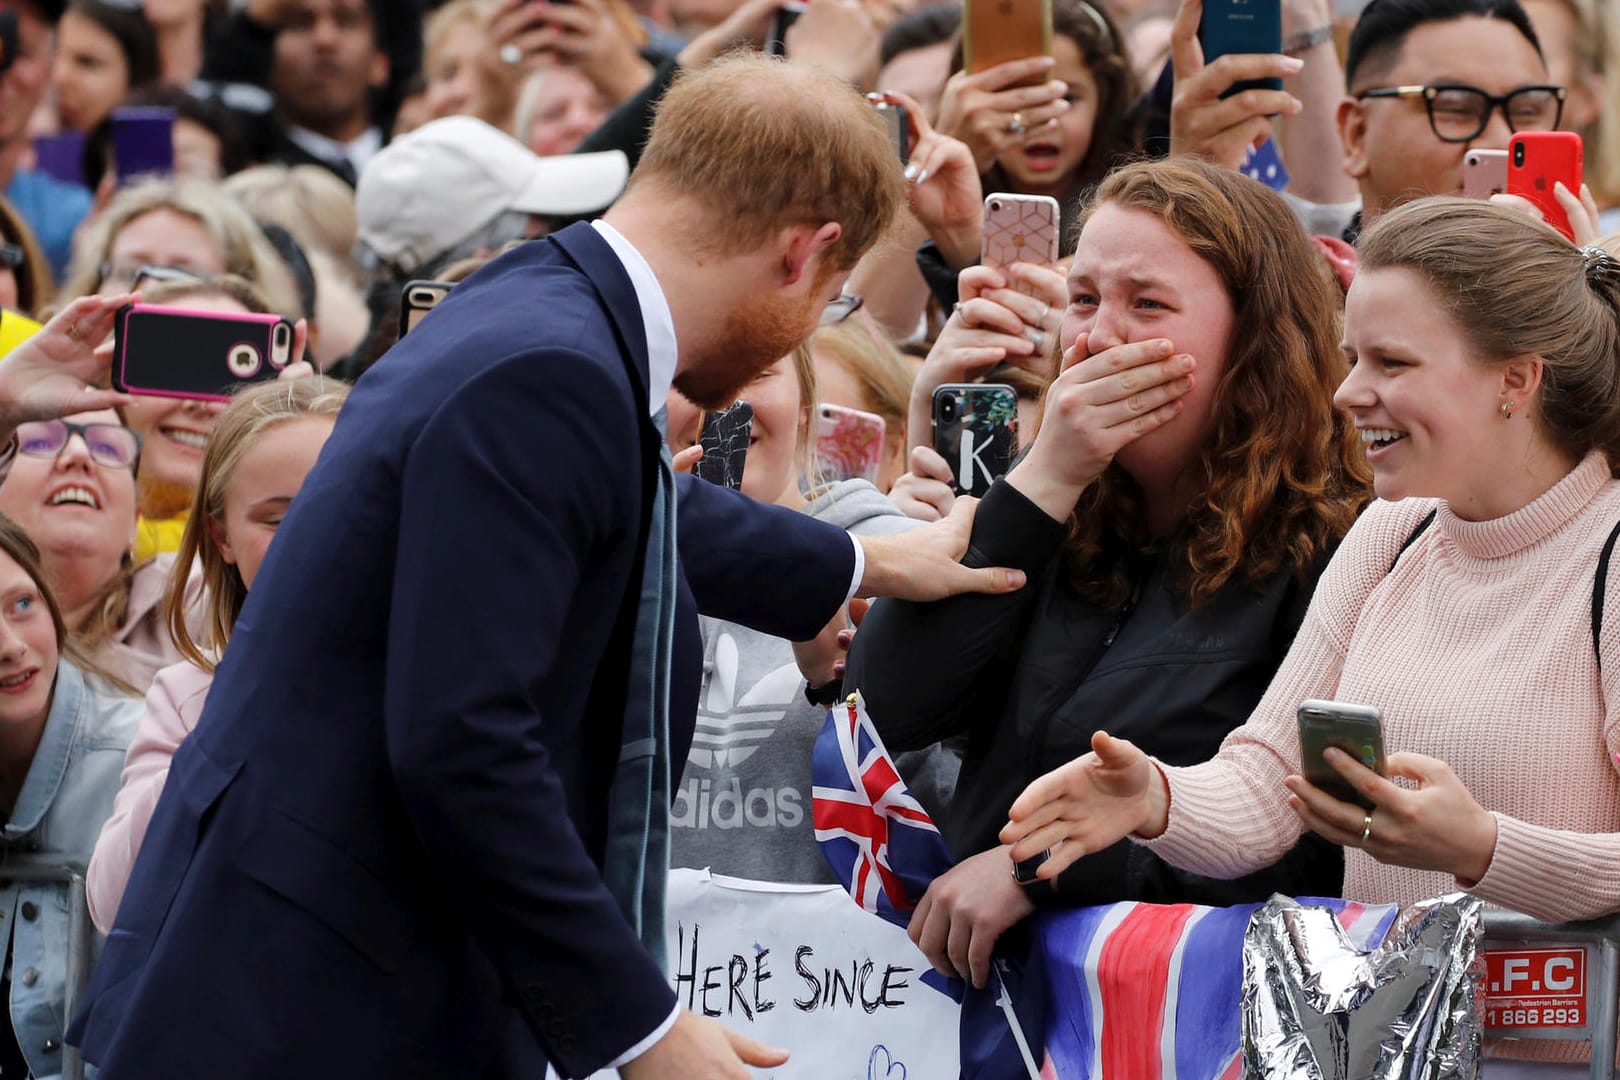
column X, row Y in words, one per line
column 873, row 833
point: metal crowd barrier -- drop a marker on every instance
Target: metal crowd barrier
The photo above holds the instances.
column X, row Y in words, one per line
column 1600, row 939
column 51, row 870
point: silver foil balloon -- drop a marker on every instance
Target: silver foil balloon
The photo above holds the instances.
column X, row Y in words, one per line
column 1316, row 1008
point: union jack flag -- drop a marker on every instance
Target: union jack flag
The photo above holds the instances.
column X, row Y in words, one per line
column 873, row 833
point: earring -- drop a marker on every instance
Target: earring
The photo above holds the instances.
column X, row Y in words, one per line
column 1507, row 409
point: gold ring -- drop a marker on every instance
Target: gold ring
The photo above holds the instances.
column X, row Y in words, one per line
column 1015, row 126
column 73, row 332
column 1366, row 828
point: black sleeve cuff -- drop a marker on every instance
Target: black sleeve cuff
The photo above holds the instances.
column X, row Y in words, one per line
column 1011, row 531
column 939, row 274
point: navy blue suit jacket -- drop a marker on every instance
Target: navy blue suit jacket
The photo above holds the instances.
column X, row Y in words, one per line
column 379, row 853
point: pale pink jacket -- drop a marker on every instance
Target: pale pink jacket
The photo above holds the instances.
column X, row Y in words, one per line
column 143, row 647
column 172, row 707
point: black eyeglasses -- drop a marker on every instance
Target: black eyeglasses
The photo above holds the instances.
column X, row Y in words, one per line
column 112, row 445
column 128, row 277
column 841, row 308
column 12, row 256
column 1459, row 113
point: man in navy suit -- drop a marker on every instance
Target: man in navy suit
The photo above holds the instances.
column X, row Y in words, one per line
column 381, row 852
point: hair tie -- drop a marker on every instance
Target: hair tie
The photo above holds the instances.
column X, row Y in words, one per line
column 1599, row 264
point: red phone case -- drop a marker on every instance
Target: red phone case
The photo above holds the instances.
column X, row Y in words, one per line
column 1537, row 160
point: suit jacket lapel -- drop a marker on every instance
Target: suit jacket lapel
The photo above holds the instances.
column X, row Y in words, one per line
column 587, row 250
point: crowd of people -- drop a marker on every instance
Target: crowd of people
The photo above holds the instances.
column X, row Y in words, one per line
column 1338, row 428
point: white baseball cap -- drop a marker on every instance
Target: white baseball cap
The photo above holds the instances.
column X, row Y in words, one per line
column 432, row 188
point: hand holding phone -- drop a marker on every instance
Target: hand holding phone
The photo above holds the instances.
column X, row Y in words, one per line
column 898, row 125
column 1537, row 162
column 1242, row 28
column 725, row 445
column 1355, row 729
column 1019, row 229
column 204, row 355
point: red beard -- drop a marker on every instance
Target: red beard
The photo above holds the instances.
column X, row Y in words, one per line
column 755, row 337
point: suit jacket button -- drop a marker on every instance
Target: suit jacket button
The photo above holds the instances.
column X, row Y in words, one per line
column 30, row 976
column 30, row 910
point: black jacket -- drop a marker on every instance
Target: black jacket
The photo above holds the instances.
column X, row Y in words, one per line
column 1029, row 677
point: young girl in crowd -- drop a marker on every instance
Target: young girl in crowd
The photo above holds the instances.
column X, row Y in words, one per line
column 1172, row 531
column 63, row 734
column 1463, row 605
column 264, row 445
column 743, row 804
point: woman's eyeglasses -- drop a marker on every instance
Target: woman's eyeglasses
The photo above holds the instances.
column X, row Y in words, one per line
column 127, row 277
column 12, row 256
column 112, row 445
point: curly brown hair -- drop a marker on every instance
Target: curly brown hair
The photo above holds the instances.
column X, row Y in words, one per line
column 1283, row 475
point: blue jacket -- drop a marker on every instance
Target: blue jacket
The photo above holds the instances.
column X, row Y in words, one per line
column 379, row 853
column 64, row 800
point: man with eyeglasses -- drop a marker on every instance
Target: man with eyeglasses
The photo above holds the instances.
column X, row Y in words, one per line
column 1428, row 81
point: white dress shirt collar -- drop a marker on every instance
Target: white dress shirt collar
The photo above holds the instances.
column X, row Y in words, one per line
column 655, row 316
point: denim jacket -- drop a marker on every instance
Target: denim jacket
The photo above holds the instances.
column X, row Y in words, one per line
column 64, row 800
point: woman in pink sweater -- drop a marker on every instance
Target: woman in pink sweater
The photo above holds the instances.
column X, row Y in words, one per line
column 263, row 446
column 1484, row 383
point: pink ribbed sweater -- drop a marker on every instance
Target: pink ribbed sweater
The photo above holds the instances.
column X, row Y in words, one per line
column 1477, row 648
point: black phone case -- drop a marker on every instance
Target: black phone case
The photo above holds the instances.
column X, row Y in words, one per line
column 725, row 445
column 408, row 307
column 190, row 355
column 977, row 434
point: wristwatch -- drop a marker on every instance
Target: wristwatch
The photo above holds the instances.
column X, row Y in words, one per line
column 1305, row 40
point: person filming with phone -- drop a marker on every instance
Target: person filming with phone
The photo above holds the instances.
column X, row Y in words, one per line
column 1172, row 532
column 1465, row 607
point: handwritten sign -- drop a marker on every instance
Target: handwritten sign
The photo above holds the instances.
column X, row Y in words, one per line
column 802, row 968
column 1538, row 992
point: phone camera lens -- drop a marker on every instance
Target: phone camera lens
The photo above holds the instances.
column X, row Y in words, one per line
column 1518, row 154
column 996, row 206
column 947, row 408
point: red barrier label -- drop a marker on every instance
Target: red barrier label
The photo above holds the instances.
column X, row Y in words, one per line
column 1535, row 988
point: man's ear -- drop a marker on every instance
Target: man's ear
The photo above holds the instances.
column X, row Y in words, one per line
column 802, row 243
column 1352, row 121
column 377, row 78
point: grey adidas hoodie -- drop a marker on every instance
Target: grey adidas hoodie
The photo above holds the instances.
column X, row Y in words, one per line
column 742, row 806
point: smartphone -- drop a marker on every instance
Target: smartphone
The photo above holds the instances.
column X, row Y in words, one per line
column 997, row 31
column 1019, row 228
column 725, row 445
column 898, row 125
column 419, row 298
column 1358, row 730
column 1484, row 173
column 786, row 16
column 143, row 142
column 1242, row 26
column 1539, row 159
column 206, row 355
column 61, row 156
column 976, row 432
column 849, row 443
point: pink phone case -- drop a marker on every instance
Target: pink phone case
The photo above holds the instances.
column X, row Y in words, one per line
column 183, row 353
column 1020, row 229
column 849, row 443
column 1484, row 173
